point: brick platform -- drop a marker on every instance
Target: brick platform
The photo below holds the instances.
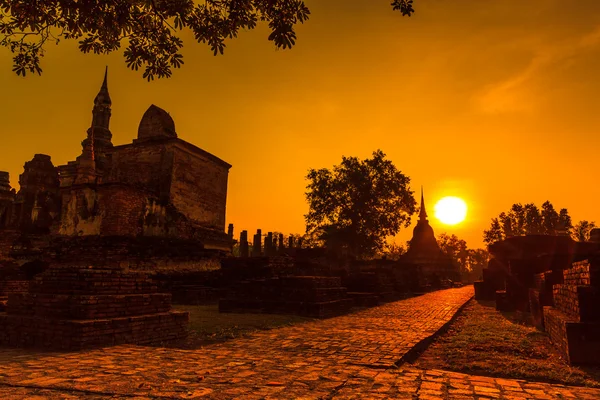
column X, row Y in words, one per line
column 311, row 296
column 573, row 323
column 71, row 308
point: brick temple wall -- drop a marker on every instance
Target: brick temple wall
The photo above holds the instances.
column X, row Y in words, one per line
column 199, row 187
column 142, row 166
column 123, row 208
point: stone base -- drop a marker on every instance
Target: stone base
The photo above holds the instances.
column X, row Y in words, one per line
column 364, row 299
column 23, row 331
column 579, row 342
column 324, row 309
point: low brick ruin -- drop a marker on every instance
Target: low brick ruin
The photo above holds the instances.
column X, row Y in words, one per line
column 310, row 296
column 71, row 308
column 573, row 323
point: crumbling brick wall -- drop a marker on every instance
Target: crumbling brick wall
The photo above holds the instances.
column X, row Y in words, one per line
column 199, row 186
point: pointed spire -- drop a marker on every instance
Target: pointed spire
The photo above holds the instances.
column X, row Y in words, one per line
column 105, row 83
column 103, row 97
column 422, row 211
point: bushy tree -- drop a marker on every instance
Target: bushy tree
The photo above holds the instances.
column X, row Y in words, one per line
column 150, row 29
column 581, row 231
column 358, row 204
column 454, row 247
column 471, row 261
column 393, row 251
column 528, row 219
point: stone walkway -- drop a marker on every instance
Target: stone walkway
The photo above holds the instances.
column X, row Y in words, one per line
column 349, row 357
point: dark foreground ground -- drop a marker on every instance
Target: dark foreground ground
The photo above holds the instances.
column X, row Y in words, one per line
column 356, row 356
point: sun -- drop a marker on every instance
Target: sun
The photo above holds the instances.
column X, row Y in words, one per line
column 451, row 210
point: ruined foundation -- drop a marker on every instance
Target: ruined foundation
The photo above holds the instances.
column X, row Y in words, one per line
column 309, row 296
column 573, row 323
column 71, row 308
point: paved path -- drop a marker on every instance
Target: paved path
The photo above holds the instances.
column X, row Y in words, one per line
column 349, row 357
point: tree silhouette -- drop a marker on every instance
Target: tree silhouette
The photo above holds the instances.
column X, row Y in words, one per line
column 581, row 231
column 150, row 28
column 528, row 220
column 358, row 204
column 471, row 261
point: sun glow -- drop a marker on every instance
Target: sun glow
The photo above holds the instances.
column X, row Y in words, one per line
column 451, row 210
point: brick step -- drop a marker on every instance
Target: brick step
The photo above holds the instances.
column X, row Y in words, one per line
column 86, row 306
column 13, row 287
column 76, row 335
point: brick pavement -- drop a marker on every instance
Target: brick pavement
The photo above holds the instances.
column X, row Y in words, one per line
column 348, row 357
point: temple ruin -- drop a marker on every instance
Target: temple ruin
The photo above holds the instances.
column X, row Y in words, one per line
column 159, row 186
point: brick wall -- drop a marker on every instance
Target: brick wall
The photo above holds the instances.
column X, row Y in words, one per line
column 574, row 322
column 199, row 187
column 7, row 287
column 123, row 210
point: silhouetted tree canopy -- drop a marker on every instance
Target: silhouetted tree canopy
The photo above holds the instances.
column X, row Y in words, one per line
column 471, row 261
column 528, row 219
column 581, row 230
column 149, row 28
column 358, row 204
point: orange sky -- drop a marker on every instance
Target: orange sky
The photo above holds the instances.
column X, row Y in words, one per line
column 493, row 101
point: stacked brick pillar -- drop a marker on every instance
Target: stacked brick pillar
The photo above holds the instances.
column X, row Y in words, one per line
column 573, row 323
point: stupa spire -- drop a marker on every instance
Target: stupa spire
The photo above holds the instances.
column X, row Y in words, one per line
column 422, row 211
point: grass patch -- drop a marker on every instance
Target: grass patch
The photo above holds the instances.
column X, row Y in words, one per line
column 483, row 341
column 208, row 325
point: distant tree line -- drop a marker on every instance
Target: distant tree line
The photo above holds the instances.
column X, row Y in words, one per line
column 528, row 219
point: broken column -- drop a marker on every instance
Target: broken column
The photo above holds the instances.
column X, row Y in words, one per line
column 7, row 198
column 269, row 244
column 244, row 244
column 257, row 244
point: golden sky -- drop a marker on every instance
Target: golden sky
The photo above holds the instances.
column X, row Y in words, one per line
column 494, row 101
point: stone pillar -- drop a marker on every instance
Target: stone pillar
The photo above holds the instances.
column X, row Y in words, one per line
column 256, row 246
column 291, row 242
column 7, row 197
column 230, row 231
column 269, row 244
column 281, row 243
column 299, row 243
column 244, row 244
